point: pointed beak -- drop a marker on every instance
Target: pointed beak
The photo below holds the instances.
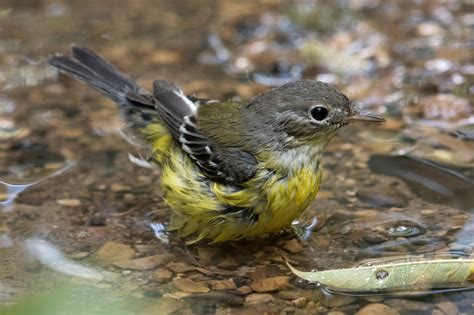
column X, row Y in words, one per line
column 363, row 116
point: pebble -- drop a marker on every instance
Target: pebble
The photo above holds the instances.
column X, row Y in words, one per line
column 377, row 309
column 245, row 289
column 335, row 313
column 79, row 255
column 405, row 305
column 69, row 202
column 180, row 267
column 340, row 300
column 374, row 298
column 227, row 284
column 145, row 248
column 270, row 284
column 437, row 312
column 293, row 246
column 144, row 263
column 375, row 238
column 116, row 187
column 448, row 307
column 112, row 251
column 257, row 298
column 163, row 275
column 300, row 302
column 428, row 29
column 189, row 286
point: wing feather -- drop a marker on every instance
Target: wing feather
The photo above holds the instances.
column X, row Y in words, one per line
column 178, row 113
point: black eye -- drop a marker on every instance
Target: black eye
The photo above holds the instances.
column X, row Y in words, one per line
column 319, row 113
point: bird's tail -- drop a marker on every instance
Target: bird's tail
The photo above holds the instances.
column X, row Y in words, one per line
column 136, row 105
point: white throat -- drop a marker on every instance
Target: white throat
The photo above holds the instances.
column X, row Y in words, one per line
column 297, row 158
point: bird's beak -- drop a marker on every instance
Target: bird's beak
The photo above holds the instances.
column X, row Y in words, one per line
column 363, row 116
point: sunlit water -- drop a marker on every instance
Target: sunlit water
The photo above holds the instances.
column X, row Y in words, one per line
column 69, row 183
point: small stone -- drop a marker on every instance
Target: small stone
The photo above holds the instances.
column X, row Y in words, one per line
column 144, row 248
column 335, row 313
column 270, row 284
column 163, row 306
column 79, row 255
column 377, row 309
column 112, row 251
column 227, row 284
column 144, row 263
column 429, row 29
column 69, row 202
column 189, row 286
column 448, row 307
column 340, row 300
column 163, row 275
column 405, row 305
column 257, row 298
column 245, row 289
column 374, row 238
column 293, row 246
column 428, row 211
column 374, row 299
column 180, row 267
column 437, row 312
column 300, row 302
column 116, row 187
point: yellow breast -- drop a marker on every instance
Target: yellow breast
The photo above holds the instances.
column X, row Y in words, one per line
column 289, row 197
column 200, row 208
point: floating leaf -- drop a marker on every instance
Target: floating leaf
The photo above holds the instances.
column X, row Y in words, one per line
column 395, row 276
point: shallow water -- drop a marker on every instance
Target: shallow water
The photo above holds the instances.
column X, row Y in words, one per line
column 67, row 185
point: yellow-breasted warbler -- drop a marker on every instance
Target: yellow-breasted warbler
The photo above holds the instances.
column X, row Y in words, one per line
column 230, row 170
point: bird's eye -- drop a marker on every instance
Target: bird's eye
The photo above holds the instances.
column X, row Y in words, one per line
column 319, row 113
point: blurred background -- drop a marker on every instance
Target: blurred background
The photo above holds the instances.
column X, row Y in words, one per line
column 76, row 235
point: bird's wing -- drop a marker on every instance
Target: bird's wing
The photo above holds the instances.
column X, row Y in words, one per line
column 178, row 112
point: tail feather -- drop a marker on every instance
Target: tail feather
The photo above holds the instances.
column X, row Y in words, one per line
column 90, row 68
column 105, row 70
column 136, row 105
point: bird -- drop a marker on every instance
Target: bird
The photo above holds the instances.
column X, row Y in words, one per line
column 230, row 170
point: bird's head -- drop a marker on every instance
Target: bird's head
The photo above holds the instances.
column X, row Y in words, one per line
column 305, row 112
